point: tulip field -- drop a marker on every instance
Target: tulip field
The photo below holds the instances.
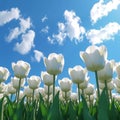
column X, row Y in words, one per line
column 23, row 99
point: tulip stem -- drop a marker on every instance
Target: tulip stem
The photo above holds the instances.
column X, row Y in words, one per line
column 98, row 91
column 53, row 86
column 106, row 90
column 18, row 90
column 33, row 95
column 78, row 92
column 48, row 94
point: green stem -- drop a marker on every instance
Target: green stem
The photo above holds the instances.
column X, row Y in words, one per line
column 78, row 93
column 48, row 95
column 33, row 96
column 53, row 86
column 98, row 91
column 106, row 90
column 18, row 90
column 66, row 97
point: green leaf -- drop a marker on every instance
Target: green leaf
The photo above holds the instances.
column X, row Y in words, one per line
column 72, row 112
column 103, row 106
column 54, row 112
column 86, row 113
column 113, row 112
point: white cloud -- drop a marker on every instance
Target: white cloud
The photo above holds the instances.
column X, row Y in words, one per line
column 101, row 9
column 104, row 34
column 44, row 19
column 27, row 43
column 71, row 29
column 38, row 55
column 25, row 24
column 6, row 16
column 45, row 29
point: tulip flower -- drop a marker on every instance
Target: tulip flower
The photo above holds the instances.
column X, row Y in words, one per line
column 47, row 78
column 54, row 65
column 11, row 89
column 65, row 84
column 77, row 74
column 74, row 96
column 21, row 69
column 28, row 91
column 90, row 89
column 118, row 69
column 34, row 82
column 95, row 58
column 106, row 74
column 4, row 74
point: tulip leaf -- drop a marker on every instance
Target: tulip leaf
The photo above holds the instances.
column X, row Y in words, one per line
column 86, row 113
column 103, row 106
column 54, row 112
column 113, row 112
column 71, row 112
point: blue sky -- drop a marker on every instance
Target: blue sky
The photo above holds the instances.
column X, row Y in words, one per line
column 32, row 29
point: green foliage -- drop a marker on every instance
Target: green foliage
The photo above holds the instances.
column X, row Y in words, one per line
column 60, row 110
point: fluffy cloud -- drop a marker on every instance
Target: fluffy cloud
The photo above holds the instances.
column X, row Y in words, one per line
column 71, row 29
column 38, row 55
column 6, row 16
column 101, row 9
column 25, row 24
column 27, row 43
column 106, row 33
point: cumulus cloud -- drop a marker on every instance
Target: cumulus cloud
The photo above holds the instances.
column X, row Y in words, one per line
column 71, row 29
column 25, row 24
column 103, row 34
column 27, row 43
column 101, row 9
column 6, row 16
column 38, row 55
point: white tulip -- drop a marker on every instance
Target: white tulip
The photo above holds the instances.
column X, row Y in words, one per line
column 28, row 91
column 89, row 90
column 54, row 63
column 84, row 84
column 118, row 69
column 94, row 57
column 117, row 82
column 21, row 69
column 15, row 82
column 106, row 73
column 65, row 84
column 34, row 82
column 74, row 96
column 77, row 74
column 4, row 74
column 11, row 89
column 47, row 78
column 50, row 89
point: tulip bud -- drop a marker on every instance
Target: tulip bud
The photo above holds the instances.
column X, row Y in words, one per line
column 21, row 69
column 89, row 90
column 54, row 63
column 34, row 82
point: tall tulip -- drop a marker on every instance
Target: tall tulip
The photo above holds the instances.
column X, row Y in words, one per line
column 78, row 74
column 21, row 70
column 94, row 58
column 54, row 65
column 4, row 74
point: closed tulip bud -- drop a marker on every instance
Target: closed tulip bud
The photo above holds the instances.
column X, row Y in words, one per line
column 54, row 63
column 15, row 82
column 77, row 74
column 84, row 84
column 21, row 69
column 28, row 91
column 4, row 74
column 34, row 82
column 94, row 57
column 65, row 84
column 106, row 73
column 74, row 96
column 11, row 89
column 89, row 90
column 47, row 78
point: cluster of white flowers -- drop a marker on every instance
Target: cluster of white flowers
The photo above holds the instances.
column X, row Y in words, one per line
column 95, row 59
